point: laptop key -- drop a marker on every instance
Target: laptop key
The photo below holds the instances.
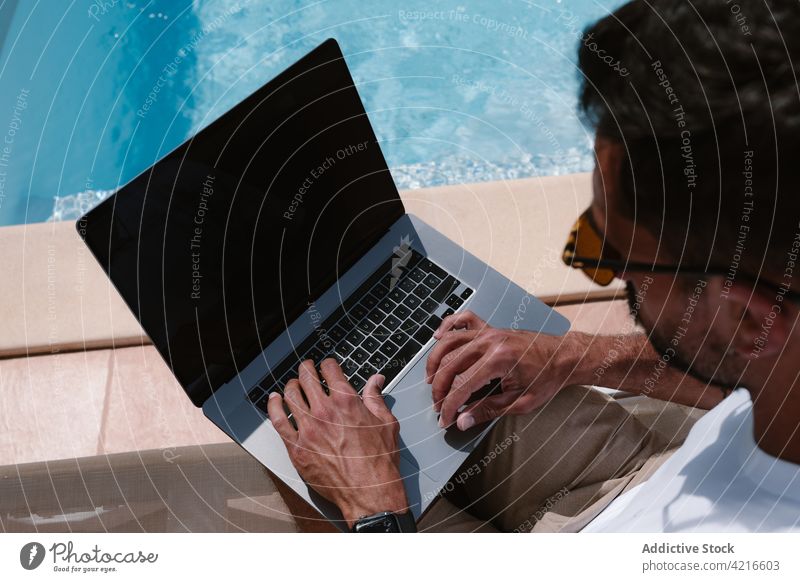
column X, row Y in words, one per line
column 454, row 301
column 349, row 367
column 419, row 315
column 275, row 389
column 378, row 360
column 465, row 294
column 389, row 349
column 447, row 313
column 262, row 404
column 364, row 288
column 255, row 394
column 397, row 295
column 412, row 301
column 366, row 326
column 269, row 385
column 336, row 333
column 371, row 344
column 369, row 301
column 407, row 285
column 422, row 291
column 401, row 311
column 430, row 305
column 392, row 368
column 381, row 333
column 343, row 349
column 315, row 355
column 359, row 356
column 444, row 289
column 392, row 322
column 423, row 334
column 400, row 360
column 416, row 275
column 367, row 370
column 376, row 316
column 357, row 313
column 292, row 375
column 409, row 326
column 433, row 323
column 355, row 337
column 326, row 344
column 399, row 338
column 387, row 305
column 432, row 267
column 358, row 383
column 380, row 291
column 432, row 281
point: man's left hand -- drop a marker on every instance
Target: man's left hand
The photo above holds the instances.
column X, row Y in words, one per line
column 345, row 445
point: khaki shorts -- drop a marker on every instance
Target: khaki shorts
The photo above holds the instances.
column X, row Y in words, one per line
column 557, row 468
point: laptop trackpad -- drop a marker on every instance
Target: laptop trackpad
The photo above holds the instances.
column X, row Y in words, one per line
column 435, row 451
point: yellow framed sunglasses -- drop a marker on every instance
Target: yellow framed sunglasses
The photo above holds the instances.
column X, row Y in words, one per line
column 587, row 250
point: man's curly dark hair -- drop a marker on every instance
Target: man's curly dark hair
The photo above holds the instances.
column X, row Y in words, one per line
column 709, row 115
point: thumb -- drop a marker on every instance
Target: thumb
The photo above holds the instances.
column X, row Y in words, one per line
column 487, row 409
column 373, row 400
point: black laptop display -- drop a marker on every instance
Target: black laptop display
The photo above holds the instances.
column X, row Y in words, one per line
column 226, row 240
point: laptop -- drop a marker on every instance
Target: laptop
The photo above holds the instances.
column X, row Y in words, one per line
column 277, row 234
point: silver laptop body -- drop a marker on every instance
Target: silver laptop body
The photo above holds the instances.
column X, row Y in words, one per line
column 229, row 253
column 430, row 455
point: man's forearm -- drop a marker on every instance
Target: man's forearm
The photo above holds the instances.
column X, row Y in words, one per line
column 629, row 363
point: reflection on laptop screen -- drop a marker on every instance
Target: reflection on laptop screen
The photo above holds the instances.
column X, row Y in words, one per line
column 223, row 243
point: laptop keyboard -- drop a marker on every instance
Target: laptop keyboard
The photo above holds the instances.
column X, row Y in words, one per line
column 379, row 328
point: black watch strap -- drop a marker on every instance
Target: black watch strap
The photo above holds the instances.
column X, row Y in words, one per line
column 386, row 522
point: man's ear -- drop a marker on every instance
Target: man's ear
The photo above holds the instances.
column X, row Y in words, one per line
column 610, row 156
column 763, row 324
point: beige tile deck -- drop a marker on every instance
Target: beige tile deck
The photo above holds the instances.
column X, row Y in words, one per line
column 146, row 408
column 599, row 317
column 52, row 406
column 81, row 404
column 59, row 298
column 55, row 296
column 210, row 488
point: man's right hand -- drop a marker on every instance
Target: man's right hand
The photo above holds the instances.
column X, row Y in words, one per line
column 532, row 368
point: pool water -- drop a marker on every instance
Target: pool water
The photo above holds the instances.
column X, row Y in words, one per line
column 95, row 91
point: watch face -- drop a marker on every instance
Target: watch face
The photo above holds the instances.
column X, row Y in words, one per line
column 378, row 524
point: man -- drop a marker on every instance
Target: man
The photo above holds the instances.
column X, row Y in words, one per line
column 695, row 206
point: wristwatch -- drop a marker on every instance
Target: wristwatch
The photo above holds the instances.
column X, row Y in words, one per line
column 386, row 522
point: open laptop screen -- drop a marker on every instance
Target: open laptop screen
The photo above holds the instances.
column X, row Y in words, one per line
column 225, row 241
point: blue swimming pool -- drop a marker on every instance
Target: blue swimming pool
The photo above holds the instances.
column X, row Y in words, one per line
column 95, row 90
